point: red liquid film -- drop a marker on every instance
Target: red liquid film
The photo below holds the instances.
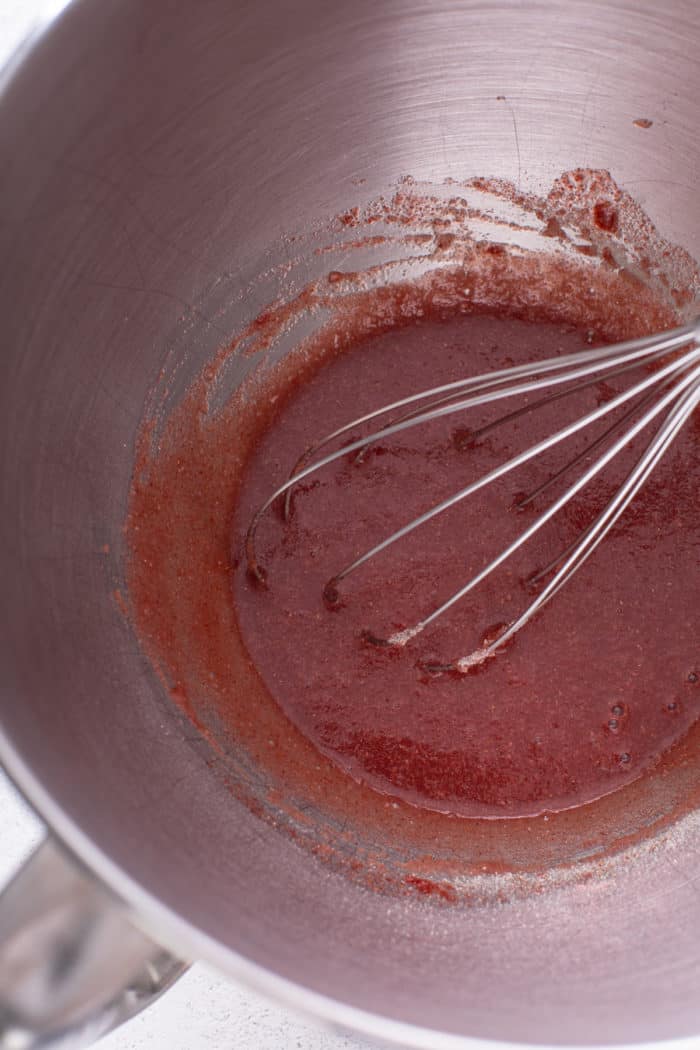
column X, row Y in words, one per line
column 589, row 695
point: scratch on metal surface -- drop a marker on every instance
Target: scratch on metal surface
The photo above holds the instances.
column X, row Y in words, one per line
column 147, row 290
column 517, row 139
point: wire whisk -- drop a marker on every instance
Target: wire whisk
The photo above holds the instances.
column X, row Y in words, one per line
column 666, row 394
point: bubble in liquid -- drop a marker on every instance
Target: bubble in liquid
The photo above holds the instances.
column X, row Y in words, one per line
column 692, row 677
column 625, row 758
column 613, row 725
column 617, row 710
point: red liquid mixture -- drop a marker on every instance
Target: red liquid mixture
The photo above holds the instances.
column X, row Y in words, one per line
column 356, row 751
column 590, row 694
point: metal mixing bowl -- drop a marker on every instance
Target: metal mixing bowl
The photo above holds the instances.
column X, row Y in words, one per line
column 151, row 157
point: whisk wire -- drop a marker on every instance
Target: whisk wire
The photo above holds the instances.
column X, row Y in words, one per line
column 673, row 387
column 504, row 468
column 525, row 501
column 587, row 542
column 620, row 352
column 633, row 353
column 484, row 389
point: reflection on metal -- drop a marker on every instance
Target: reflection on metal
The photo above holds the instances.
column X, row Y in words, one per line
column 72, row 966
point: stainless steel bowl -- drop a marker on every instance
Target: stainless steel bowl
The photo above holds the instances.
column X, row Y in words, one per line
column 151, row 158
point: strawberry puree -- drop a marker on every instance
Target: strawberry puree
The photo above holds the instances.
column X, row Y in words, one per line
column 589, row 695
